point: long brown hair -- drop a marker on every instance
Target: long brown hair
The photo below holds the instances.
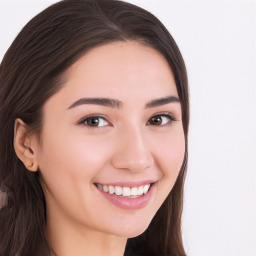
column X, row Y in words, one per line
column 31, row 71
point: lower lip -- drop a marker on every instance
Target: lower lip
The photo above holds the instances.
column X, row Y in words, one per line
column 129, row 203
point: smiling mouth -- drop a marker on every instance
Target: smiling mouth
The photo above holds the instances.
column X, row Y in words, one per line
column 128, row 192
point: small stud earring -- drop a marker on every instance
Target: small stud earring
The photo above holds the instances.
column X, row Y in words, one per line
column 30, row 165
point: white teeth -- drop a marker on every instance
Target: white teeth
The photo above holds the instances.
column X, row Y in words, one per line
column 125, row 191
column 140, row 191
column 134, row 191
column 118, row 190
column 111, row 190
column 105, row 188
column 146, row 188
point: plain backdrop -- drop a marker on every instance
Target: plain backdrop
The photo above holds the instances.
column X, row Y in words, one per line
column 217, row 40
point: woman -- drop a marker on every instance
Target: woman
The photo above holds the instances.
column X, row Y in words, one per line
column 94, row 119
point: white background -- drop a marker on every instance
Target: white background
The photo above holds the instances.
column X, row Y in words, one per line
column 217, row 40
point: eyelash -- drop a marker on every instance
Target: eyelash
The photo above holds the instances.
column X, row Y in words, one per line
column 85, row 120
column 161, row 115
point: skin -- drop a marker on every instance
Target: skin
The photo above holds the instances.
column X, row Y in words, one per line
column 126, row 146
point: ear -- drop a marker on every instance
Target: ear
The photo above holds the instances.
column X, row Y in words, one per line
column 25, row 145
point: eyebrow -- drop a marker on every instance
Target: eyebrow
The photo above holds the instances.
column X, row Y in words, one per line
column 162, row 101
column 113, row 103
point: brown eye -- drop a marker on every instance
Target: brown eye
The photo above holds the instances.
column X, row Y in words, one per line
column 94, row 121
column 161, row 120
column 157, row 120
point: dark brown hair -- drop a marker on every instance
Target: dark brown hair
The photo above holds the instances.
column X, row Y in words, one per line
column 31, row 71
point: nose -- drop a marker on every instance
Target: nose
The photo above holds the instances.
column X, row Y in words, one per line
column 132, row 152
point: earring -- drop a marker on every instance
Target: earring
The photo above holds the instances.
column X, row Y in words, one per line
column 30, row 165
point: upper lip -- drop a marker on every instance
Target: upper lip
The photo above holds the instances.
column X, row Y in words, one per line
column 128, row 183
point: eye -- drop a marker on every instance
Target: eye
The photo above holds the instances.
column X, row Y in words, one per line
column 94, row 121
column 161, row 119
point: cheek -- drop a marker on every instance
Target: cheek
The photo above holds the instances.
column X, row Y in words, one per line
column 171, row 156
column 71, row 160
column 169, row 161
column 72, row 149
column 68, row 166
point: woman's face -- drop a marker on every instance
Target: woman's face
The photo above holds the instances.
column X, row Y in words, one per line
column 112, row 141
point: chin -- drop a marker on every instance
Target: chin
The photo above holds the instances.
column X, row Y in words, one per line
column 132, row 229
column 133, row 232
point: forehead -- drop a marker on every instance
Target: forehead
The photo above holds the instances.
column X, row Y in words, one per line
column 122, row 70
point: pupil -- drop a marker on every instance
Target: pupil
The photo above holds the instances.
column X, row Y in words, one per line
column 93, row 121
column 157, row 120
